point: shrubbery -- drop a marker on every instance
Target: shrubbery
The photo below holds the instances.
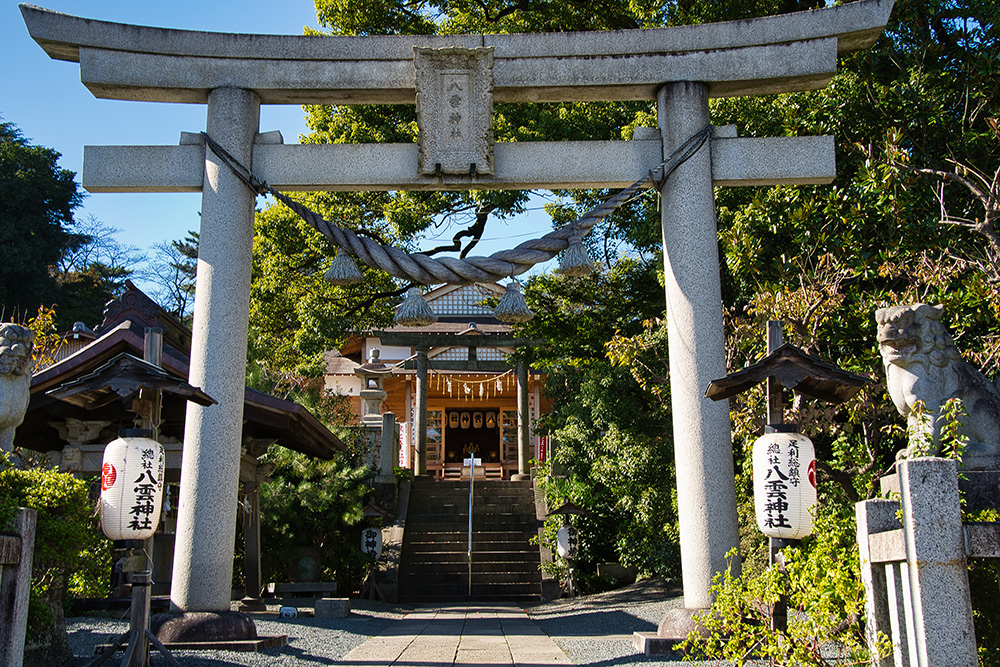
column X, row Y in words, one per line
column 71, row 556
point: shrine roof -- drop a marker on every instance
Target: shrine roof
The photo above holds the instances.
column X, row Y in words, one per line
column 92, row 377
column 794, row 369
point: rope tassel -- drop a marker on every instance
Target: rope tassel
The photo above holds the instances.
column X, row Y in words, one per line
column 343, row 271
column 513, row 309
column 414, row 311
column 575, row 261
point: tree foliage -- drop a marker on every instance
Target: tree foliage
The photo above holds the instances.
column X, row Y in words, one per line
column 36, row 212
column 52, row 258
column 70, row 555
column 174, row 266
column 613, row 455
column 313, row 508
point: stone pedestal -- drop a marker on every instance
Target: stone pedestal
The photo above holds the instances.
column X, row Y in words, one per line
column 673, row 629
column 332, row 608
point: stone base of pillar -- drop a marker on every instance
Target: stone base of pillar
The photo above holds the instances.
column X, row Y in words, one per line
column 673, row 629
column 520, row 477
column 203, row 627
column 252, row 604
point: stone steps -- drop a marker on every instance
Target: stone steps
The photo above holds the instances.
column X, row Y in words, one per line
column 505, row 565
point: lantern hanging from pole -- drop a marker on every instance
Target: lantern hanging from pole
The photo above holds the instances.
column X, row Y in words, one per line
column 371, row 542
column 132, row 486
column 784, row 483
column 567, row 541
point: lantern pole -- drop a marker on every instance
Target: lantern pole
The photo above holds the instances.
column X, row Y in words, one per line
column 150, row 406
column 785, row 366
column 776, row 417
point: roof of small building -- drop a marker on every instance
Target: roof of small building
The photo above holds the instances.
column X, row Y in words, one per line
column 100, row 381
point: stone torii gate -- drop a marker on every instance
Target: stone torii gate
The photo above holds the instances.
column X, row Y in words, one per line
column 680, row 68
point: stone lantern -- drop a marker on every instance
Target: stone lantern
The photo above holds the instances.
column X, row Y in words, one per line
column 372, row 393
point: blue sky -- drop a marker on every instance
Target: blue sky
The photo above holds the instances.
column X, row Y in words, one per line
column 46, row 100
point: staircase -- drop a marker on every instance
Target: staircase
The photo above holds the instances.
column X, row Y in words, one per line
column 435, row 566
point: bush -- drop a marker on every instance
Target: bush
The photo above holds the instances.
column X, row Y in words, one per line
column 313, row 507
column 825, row 604
column 71, row 556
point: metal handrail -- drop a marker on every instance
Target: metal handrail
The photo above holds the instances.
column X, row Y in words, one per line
column 472, row 484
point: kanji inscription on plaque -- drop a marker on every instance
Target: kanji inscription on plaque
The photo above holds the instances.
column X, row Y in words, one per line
column 455, row 110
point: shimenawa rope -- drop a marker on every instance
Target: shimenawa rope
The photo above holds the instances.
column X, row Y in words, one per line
column 423, row 269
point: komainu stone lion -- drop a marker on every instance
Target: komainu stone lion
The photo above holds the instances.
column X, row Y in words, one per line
column 922, row 364
column 15, row 379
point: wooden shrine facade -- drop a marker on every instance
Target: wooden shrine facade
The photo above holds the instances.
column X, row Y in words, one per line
column 472, row 389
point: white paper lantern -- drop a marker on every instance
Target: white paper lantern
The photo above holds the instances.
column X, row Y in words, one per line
column 131, row 487
column 371, row 542
column 567, row 541
column 784, row 484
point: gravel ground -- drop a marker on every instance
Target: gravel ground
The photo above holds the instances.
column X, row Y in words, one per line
column 592, row 630
column 311, row 641
column 597, row 629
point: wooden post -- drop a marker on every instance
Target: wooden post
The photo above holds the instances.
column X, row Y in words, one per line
column 15, row 585
column 776, row 415
column 523, row 424
column 251, row 553
column 137, row 652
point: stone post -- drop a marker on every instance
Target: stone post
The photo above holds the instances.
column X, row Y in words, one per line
column 706, row 494
column 252, row 546
column 203, row 561
column 877, row 516
column 388, row 457
column 937, row 571
column 15, row 586
column 420, row 419
column 523, row 424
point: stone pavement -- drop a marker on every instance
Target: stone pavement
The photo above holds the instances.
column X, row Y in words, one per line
column 473, row 634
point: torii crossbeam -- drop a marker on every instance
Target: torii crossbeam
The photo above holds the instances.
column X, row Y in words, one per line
column 679, row 68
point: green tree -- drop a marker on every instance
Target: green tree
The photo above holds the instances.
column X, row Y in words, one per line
column 611, row 443
column 93, row 272
column 36, row 214
column 173, row 270
column 313, row 508
column 71, row 556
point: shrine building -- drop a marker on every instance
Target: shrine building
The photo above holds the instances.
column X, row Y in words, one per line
column 472, row 387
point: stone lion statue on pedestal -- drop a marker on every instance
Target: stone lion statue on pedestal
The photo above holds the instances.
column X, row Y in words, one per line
column 922, row 364
column 15, row 379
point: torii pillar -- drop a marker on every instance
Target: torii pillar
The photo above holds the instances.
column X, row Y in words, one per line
column 203, row 552
column 706, row 495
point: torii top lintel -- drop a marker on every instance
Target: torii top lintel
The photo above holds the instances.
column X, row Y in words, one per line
column 773, row 54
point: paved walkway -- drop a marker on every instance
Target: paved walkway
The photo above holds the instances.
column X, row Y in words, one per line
column 462, row 635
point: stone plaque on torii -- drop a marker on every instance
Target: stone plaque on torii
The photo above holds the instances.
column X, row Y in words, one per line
column 679, row 68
